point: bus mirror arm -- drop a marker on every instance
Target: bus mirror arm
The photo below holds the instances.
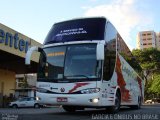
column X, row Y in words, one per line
column 29, row 54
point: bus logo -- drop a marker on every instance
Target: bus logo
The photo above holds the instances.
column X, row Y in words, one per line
column 62, row 89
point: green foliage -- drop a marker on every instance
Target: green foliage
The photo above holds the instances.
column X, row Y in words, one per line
column 155, row 84
column 25, row 83
column 149, row 59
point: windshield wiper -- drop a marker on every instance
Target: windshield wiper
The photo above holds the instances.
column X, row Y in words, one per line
column 77, row 76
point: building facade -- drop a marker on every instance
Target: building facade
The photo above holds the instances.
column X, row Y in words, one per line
column 158, row 40
column 148, row 39
column 31, row 80
column 13, row 48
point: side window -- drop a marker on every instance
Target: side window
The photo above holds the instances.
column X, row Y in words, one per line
column 125, row 52
column 28, row 99
column 22, row 99
column 110, row 52
column 31, row 99
column 123, row 48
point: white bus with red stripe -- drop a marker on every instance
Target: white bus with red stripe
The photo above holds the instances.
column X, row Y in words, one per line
column 84, row 63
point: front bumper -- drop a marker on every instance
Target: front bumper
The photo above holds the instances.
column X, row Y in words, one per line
column 72, row 99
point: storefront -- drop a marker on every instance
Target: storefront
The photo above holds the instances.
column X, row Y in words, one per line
column 13, row 47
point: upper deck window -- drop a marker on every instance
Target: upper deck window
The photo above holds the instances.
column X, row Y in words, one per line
column 77, row 30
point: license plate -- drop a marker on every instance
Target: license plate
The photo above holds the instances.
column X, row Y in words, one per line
column 62, row 99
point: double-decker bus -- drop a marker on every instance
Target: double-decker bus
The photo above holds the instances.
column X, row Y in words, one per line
column 85, row 63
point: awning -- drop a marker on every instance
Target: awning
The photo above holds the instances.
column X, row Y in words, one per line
column 16, row 63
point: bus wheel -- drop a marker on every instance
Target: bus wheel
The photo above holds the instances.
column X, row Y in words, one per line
column 15, row 106
column 36, row 105
column 138, row 106
column 69, row 108
column 116, row 107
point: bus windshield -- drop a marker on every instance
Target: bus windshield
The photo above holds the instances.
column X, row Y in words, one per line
column 69, row 63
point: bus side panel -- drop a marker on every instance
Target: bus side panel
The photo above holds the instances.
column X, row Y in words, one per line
column 129, row 82
column 108, row 91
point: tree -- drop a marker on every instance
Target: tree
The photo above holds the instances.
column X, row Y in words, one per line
column 155, row 84
column 149, row 59
column 25, row 83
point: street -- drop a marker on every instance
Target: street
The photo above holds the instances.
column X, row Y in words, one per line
column 147, row 112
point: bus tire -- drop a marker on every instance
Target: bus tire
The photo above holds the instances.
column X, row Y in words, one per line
column 69, row 108
column 14, row 106
column 138, row 106
column 116, row 107
column 36, row 105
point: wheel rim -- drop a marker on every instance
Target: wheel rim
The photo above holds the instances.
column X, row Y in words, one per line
column 36, row 105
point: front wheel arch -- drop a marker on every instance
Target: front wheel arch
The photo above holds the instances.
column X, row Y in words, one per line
column 115, row 108
column 36, row 105
column 14, row 106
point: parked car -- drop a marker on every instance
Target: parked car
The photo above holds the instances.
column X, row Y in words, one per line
column 156, row 100
column 25, row 102
column 152, row 101
column 149, row 101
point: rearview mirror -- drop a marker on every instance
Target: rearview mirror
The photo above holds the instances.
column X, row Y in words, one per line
column 100, row 51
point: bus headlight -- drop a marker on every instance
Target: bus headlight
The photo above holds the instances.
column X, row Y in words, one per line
column 95, row 100
column 90, row 90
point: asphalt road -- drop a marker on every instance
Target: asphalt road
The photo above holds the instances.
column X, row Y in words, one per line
column 147, row 112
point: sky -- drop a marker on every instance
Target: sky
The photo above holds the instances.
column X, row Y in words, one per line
column 34, row 18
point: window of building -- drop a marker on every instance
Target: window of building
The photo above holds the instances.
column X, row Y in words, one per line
column 144, row 44
column 149, row 39
column 143, row 34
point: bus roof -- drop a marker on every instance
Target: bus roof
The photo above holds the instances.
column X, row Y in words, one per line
column 81, row 18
